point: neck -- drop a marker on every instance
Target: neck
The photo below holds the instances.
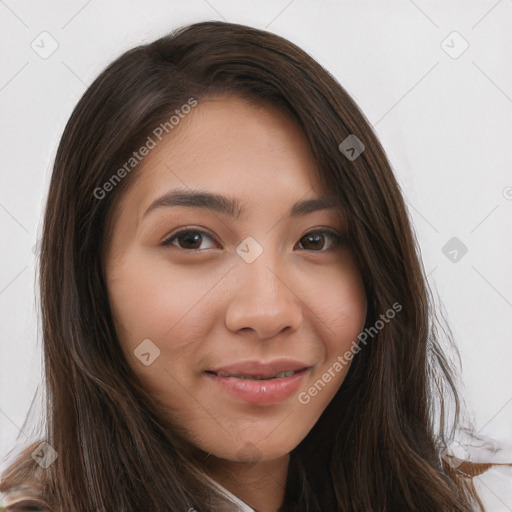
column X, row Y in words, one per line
column 259, row 484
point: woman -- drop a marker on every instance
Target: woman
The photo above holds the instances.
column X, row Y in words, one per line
column 235, row 316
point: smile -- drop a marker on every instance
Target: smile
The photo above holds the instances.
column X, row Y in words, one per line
column 280, row 375
column 255, row 389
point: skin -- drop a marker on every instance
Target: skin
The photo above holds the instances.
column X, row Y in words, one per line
column 299, row 299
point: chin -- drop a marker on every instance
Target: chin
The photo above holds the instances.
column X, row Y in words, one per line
column 254, row 451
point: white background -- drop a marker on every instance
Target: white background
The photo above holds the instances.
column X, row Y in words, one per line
column 444, row 120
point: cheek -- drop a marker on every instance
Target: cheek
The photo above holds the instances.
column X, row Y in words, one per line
column 154, row 300
column 338, row 312
column 339, row 305
column 173, row 309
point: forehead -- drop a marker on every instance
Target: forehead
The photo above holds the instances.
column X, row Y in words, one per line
column 226, row 144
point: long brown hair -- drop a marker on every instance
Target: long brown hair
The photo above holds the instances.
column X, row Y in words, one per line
column 376, row 447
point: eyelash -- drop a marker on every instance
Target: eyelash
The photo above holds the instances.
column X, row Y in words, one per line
column 338, row 240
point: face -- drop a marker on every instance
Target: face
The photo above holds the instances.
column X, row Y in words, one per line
column 227, row 266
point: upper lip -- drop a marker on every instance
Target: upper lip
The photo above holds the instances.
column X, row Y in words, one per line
column 261, row 369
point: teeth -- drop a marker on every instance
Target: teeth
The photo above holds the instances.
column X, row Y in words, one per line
column 280, row 375
column 285, row 374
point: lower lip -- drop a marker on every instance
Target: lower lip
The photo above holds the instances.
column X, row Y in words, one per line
column 260, row 391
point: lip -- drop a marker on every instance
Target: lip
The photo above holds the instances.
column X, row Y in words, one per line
column 262, row 369
column 260, row 391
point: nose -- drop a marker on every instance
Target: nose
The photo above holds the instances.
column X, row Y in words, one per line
column 263, row 301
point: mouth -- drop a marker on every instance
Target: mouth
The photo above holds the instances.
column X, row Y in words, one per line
column 260, row 370
column 280, row 375
column 260, row 383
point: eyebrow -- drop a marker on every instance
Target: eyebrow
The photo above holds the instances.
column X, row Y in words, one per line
column 229, row 206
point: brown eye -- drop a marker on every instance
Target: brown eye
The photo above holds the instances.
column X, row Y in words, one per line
column 190, row 240
column 320, row 240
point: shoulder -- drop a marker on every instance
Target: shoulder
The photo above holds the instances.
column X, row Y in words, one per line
column 21, row 481
column 25, row 498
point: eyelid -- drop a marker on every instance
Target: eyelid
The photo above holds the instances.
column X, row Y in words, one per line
column 339, row 238
column 186, row 229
